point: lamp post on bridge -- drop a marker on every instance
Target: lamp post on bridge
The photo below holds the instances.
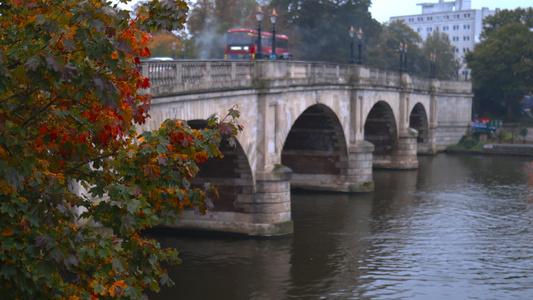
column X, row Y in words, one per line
column 174, row 50
column 352, row 34
column 259, row 16
column 273, row 19
column 360, row 41
column 432, row 59
column 403, row 57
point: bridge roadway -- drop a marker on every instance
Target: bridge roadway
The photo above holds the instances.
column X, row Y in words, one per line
column 307, row 125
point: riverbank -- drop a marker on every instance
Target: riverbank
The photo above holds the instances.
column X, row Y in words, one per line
column 498, row 149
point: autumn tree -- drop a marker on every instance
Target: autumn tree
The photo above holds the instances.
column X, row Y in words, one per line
column 502, row 63
column 69, row 102
column 166, row 44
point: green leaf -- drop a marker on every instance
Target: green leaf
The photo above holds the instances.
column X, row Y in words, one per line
column 165, row 280
column 147, row 150
column 117, row 265
column 99, row 289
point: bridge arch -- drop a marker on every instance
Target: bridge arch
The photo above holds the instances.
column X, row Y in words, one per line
column 315, row 149
column 381, row 130
column 231, row 175
column 418, row 120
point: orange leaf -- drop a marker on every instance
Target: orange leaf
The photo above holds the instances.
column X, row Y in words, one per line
column 145, row 52
column 7, row 231
column 116, row 288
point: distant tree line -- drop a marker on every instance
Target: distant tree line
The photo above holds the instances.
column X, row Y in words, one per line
column 502, row 63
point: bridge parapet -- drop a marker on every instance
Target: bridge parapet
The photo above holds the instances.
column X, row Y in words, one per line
column 455, row 87
column 377, row 77
column 190, row 76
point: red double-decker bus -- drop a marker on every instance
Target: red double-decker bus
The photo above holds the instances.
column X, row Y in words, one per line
column 242, row 44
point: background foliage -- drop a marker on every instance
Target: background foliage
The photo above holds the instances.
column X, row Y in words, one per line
column 502, row 63
column 319, row 31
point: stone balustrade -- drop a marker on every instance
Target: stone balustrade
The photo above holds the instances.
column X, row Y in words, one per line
column 194, row 76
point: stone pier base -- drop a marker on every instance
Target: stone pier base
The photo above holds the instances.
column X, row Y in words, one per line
column 429, row 145
column 356, row 173
column 266, row 214
column 405, row 156
column 359, row 169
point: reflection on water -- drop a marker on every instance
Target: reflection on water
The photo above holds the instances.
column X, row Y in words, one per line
column 459, row 227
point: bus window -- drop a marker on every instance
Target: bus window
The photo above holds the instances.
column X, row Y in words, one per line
column 282, row 43
column 240, row 38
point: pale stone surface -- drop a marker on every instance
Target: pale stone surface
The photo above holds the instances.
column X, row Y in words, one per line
column 273, row 95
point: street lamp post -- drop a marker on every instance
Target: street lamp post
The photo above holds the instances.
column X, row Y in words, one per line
column 360, row 41
column 352, row 34
column 405, row 58
column 259, row 16
column 400, row 49
column 432, row 59
column 174, row 50
column 273, row 19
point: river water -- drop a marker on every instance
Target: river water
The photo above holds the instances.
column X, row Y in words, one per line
column 459, row 227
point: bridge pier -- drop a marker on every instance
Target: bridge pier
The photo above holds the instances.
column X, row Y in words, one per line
column 356, row 173
column 271, row 208
column 428, row 146
column 265, row 212
column 359, row 171
column 405, row 156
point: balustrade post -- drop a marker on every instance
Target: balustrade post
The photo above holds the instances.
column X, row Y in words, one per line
column 179, row 72
column 207, row 74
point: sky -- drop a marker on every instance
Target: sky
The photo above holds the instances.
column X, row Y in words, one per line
column 382, row 10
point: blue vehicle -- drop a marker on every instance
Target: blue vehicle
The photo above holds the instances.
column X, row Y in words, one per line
column 482, row 127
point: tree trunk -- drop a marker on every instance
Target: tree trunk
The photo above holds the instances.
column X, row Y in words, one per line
column 510, row 113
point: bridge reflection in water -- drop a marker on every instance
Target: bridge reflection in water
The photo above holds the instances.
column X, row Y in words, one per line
column 307, row 125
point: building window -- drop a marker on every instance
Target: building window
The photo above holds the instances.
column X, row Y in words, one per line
column 467, row 15
column 420, row 19
column 429, row 29
column 446, row 17
column 455, row 38
column 466, row 38
column 445, row 28
column 466, row 27
column 429, row 18
column 419, row 30
column 455, row 27
column 456, row 50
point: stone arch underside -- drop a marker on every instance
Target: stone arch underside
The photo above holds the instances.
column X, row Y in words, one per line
column 381, row 130
column 418, row 120
column 231, row 175
column 316, row 151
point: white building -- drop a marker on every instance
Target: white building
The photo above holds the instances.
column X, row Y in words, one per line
column 456, row 18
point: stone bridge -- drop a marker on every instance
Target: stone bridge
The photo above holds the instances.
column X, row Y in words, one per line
column 306, row 125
